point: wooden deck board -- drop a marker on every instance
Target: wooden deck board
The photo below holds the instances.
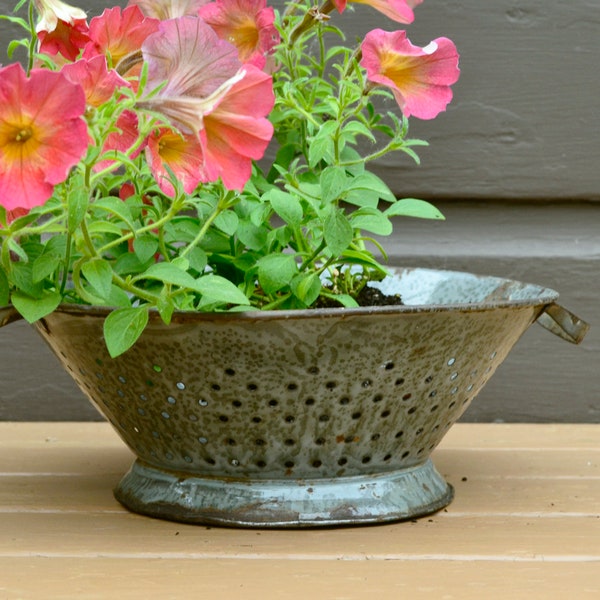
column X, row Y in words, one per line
column 525, row 524
column 227, row 579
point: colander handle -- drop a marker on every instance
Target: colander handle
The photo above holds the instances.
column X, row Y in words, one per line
column 563, row 323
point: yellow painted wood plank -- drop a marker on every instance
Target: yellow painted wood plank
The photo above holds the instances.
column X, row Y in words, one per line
column 524, row 524
column 228, row 579
column 123, row 534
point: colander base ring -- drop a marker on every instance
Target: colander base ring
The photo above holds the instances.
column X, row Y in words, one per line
column 325, row 502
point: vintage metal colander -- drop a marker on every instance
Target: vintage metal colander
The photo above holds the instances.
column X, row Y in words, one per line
column 302, row 418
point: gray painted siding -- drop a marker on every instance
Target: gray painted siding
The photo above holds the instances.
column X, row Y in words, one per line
column 525, row 118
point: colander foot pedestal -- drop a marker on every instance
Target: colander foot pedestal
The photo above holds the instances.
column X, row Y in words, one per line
column 282, row 503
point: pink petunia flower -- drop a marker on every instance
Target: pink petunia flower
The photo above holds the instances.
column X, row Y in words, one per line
column 247, row 24
column 209, row 94
column 187, row 54
column 400, row 11
column 118, row 33
column 194, row 67
column 61, row 29
column 169, row 9
column 42, row 134
column 236, row 131
column 420, row 78
column 182, row 154
column 98, row 82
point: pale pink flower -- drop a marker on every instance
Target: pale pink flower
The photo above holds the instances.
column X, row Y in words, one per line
column 236, row 131
column 168, row 9
column 42, row 134
column 61, row 29
column 209, row 94
column 53, row 11
column 182, row 154
column 194, row 67
column 98, row 82
column 119, row 33
column 400, row 11
column 420, row 78
column 188, row 55
column 247, row 24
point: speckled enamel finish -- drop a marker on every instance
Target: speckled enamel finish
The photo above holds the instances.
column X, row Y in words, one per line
column 282, row 418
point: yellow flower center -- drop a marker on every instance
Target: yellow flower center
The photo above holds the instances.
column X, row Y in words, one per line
column 401, row 70
column 18, row 141
column 244, row 36
column 24, row 134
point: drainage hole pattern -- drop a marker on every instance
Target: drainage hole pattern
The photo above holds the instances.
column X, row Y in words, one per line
column 159, row 409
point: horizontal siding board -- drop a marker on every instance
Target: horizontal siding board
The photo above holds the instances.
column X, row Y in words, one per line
column 524, row 120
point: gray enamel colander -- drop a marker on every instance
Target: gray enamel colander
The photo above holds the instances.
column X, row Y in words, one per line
column 302, row 418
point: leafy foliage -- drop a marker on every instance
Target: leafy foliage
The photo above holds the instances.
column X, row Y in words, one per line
column 300, row 229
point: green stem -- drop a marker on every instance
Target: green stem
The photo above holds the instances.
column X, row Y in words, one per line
column 312, row 257
column 389, row 147
column 132, row 289
column 172, row 212
column 203, row 230
column 65, row 274
column 87, row 238
column 276, row 303
column 32, row 39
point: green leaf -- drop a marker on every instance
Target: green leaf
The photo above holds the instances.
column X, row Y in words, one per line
column 371, row 219
column 118, row 297
column 286, row 205
column 123, row 327
column 364, row 258
column 355, row 128
column 44, row 266
column 21, row 277
column 252, row 236
column 116, row 207
column 171, row 274
column 372, row 183
column 198, row 259
column 260, row 214
column 344, row 299
column 337, row 232
column 306, row 287
column 181, row 262
column 104, row 227
column 14, row 246
column 276, row 271
column 411, row 207
column 33, row 309
column 128, row 264
column 4, row 289
column 98, row 273
column 321, row 146
column 221, row 290
column 363, row 198
column 334, row 183
column 145, row 247
column 227, row 222
column 77, row 205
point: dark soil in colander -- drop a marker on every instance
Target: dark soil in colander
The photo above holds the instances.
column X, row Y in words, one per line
column 368, row 297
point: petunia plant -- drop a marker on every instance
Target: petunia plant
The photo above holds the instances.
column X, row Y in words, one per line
column 204, row 155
